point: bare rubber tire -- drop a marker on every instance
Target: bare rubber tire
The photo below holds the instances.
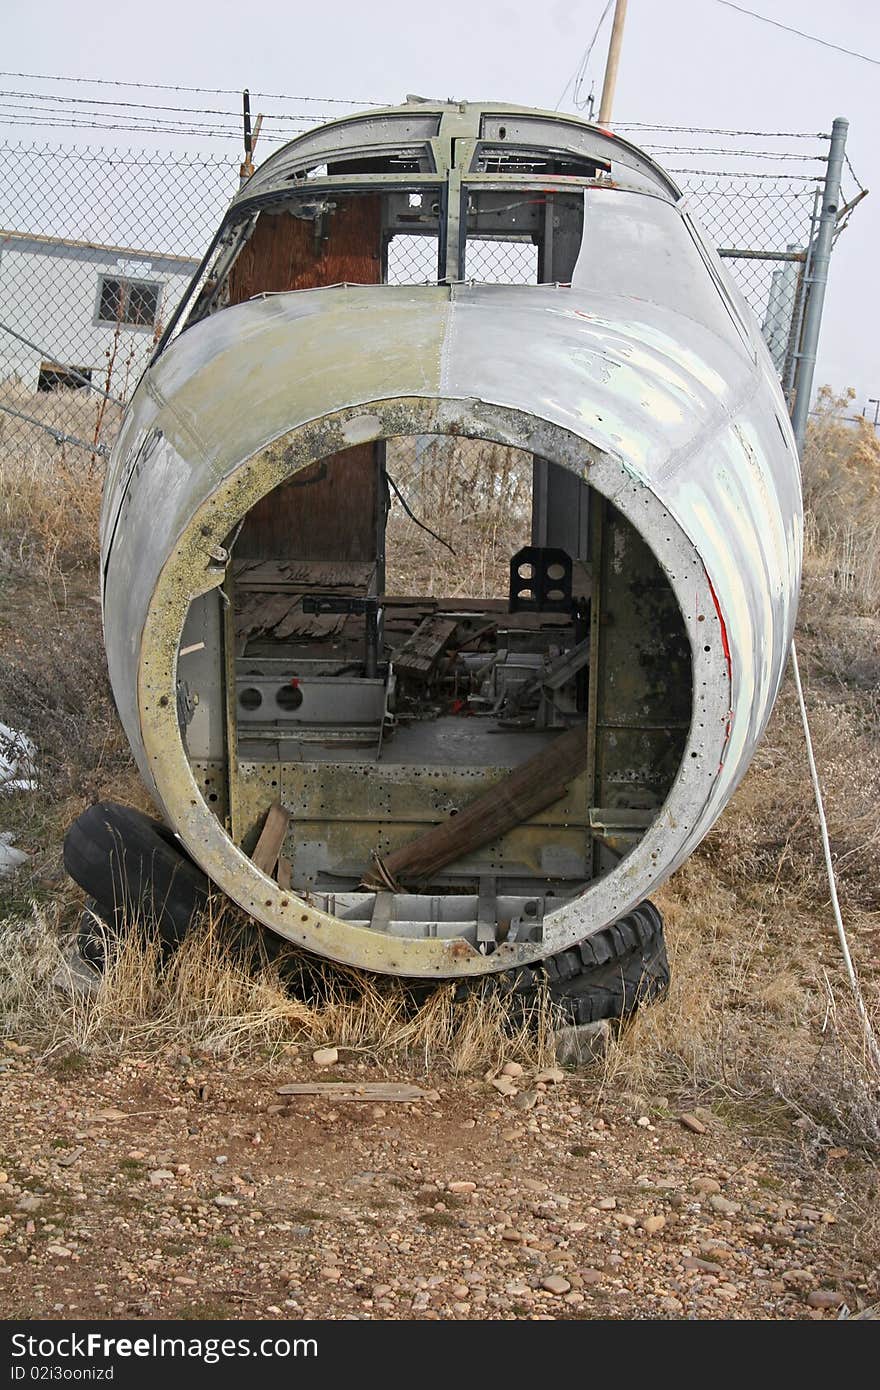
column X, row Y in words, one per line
column 607, row 976
column 133, row 870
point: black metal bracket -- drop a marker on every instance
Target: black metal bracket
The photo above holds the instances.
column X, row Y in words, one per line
column 541, row 580
column 368, row 604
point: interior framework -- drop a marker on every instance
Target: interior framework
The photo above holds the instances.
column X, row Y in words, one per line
column 373, row 716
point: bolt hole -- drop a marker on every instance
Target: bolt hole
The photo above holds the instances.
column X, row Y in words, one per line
column 289, row 697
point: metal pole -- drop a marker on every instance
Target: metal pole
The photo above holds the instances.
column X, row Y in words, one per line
column 612, row 63
column 818, row 280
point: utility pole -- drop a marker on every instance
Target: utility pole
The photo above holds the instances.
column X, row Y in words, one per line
column 612, row 62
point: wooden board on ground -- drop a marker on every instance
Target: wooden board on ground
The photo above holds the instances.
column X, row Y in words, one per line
column 419, row 655
column 265, row 856
column 358, row 1090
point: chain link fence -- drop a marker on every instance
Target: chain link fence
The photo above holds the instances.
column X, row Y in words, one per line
column 97, row 247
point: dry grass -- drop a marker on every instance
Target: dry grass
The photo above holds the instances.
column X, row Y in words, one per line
column 757, row 1008
column 221, row 992
column 476, row 494
column 759, row 1005
column 50, row 494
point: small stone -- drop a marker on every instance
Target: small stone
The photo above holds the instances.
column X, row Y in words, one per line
column 461, row 1186
column 160, row 1175
column 722, row 1206
column 607, row 1203
column 692, row 1123
column 652, row 1224
column 460, row 1292
column 555, row 1283
column 582, row 1043
column 706, row 1185
column 224, row 1201
column 592, row 1276
column 526, row 1100
column 692, row 1262
column 825, row 1298
column 797, row 1276
column 4, row 1177
column 61, row 1251
column 671, row 1305
column 511, row 1069
column 552, row 1076
column 504, row 1084
column 325, row 1056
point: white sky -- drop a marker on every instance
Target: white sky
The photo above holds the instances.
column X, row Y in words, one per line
column 688, row 62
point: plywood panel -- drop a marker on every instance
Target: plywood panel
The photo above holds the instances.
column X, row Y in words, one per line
column 290, row 253
column 328, row 511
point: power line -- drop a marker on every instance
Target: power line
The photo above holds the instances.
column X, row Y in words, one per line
column 168, row 87
column 580, row 71
column 801, row 34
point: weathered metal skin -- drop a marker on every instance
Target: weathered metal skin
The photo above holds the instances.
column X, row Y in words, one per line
column 646, row 377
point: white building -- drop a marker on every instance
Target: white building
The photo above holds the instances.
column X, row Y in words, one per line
column 87, row 306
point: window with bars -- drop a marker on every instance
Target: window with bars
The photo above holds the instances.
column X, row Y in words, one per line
column 132, row 302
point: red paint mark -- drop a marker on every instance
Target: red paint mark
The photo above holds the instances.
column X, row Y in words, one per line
column 724, row 642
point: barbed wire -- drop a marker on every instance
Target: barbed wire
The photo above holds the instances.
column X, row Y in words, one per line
column 171, row 87
column 37, row 123
column 856, row 180
column 719, row 130
column 808, row 180
column 736, row 154
column 138, row 121
column 150, row 106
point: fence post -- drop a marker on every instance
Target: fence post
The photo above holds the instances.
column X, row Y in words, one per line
column 818, row 279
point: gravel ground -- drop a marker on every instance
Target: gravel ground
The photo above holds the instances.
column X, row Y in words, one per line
column 188, row 1188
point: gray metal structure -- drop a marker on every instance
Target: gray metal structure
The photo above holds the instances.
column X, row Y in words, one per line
column 665, row 468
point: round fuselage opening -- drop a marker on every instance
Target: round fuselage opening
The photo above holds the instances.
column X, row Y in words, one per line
column 443, row 694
